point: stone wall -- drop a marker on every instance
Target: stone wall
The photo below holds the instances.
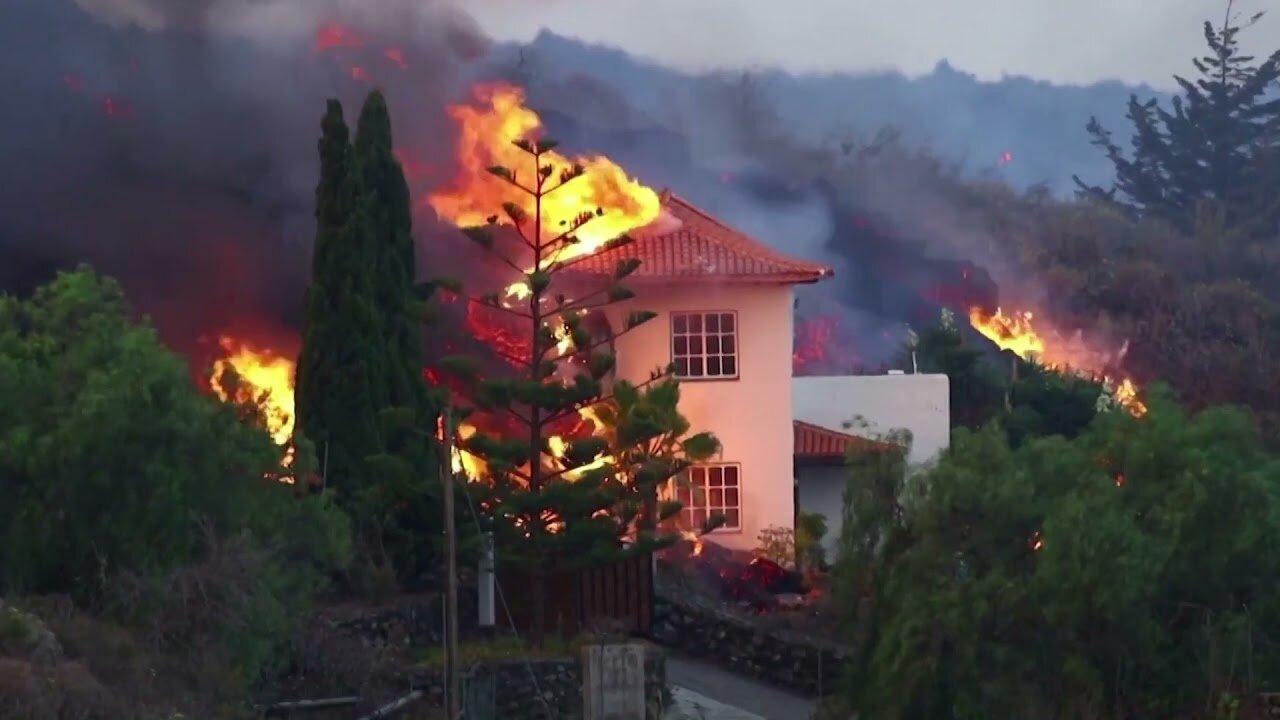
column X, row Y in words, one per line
column 410, row 620
column 543, row 689
column 803, row 665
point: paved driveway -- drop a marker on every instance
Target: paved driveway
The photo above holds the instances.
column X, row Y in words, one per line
column 732, row 697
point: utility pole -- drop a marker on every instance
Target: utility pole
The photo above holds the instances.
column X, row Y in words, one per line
column 453, row 699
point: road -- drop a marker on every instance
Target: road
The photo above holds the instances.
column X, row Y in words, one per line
column 755, row 697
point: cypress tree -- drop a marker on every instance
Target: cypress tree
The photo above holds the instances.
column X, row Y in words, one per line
column 402, row 505
column 385, row 212
column 333, row 387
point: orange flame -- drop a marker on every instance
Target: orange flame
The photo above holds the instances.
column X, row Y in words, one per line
column 693, row 537
column 1016, row 332
column 486, row 135
column 474, row 468
column 1010, row 332
column 266, row 379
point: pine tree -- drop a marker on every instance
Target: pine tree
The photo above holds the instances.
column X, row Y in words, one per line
column 334, row 397
column 555, row 506
column 1212, row 152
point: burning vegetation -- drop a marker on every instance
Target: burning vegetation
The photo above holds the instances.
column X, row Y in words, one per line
column 261, row 379
column 1017, row 332
column 487, row 133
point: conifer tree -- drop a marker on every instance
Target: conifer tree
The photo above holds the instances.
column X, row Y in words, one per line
column 334, row 384
column 362, row 353
column 385, row 213
column 1211, row 154
column 401, row 502
column 557, row 507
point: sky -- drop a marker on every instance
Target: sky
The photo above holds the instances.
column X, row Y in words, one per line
column 1063, row 41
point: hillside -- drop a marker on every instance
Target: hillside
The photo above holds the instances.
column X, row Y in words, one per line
column 966, row 120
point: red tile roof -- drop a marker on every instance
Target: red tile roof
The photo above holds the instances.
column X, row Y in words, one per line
column 815, row 442
column 691, row 244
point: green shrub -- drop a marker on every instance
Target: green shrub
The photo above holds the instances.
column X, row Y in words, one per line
column 124, row 484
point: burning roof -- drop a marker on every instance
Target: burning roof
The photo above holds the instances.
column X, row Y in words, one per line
column 685, row 242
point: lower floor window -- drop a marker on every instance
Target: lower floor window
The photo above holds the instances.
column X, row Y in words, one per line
column 710, row 489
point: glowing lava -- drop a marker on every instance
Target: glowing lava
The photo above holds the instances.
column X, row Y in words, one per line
column 1017, row 333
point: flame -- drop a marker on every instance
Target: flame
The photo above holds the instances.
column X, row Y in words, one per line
column 1009, row 332
column 694, row 538
column 266, row 379
column 487, row 131
column 1017, row 333
column 1127, row 395
column 474, row 468
column 464, row 463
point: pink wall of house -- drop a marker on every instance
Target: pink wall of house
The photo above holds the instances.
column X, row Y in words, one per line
column 751, row 415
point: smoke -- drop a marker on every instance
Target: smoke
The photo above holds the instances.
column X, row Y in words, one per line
column 171, row 144
column 903, row 243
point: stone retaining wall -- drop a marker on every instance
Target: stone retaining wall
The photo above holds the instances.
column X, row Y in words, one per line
column 410, row 620
column 802, row 665
column 546, row 689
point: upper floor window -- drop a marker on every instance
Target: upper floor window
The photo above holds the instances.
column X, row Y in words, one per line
column 705, row 344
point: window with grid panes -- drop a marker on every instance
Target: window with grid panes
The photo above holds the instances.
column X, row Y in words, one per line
column 705, row 344
column 711, row 489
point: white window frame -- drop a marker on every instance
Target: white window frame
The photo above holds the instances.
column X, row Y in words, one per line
column 704, row 339
column 687, row 487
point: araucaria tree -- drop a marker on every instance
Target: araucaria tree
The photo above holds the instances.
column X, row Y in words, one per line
column 1213, row 151
column 558, row 505
column 362, row 348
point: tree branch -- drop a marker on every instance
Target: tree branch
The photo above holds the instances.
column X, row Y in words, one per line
column 592, row 345
column 510, row 311
column 578, row 407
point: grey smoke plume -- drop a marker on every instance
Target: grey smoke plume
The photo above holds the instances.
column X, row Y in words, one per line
column 171, row 144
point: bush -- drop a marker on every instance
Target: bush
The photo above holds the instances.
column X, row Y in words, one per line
column 125, row 487
column 1091, row 577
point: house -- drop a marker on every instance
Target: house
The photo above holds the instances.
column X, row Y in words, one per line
column 725, row 306
column 836, row 413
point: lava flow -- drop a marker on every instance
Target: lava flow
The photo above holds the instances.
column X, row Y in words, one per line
column 1017, row 333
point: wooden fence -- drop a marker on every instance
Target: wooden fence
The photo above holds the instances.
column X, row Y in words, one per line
column 618, row 595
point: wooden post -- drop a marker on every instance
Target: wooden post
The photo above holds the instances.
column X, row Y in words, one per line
column 453, row 693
